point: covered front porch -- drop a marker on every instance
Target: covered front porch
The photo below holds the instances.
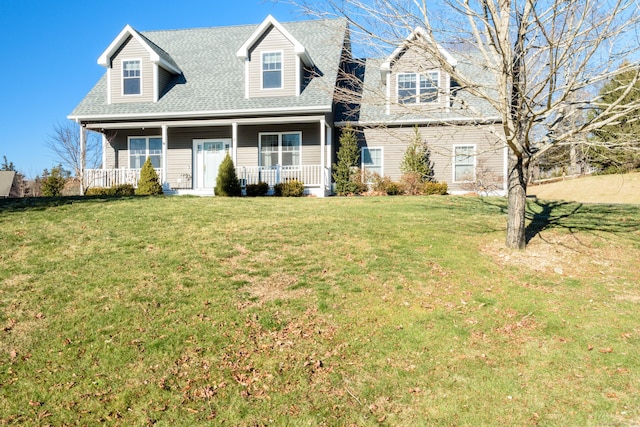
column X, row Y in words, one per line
column 187, row 154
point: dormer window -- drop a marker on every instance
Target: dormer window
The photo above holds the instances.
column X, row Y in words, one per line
column 272, row 70
column 418, row 88
column 131, row 81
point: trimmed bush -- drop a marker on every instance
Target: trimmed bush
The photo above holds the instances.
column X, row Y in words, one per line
column 117, row 190
column 290, row 188
column 123, row 190
column 383, row 184
column 227, row 182
column 257, row 190
column 431, row 187
column 149, row 183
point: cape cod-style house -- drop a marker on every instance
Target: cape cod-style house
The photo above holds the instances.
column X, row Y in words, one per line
column 266, row 94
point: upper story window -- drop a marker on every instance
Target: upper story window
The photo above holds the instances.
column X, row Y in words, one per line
column 417, row 88
column 272, row 70
column 131, row 80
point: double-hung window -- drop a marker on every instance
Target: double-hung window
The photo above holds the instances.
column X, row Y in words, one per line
column 142, row 147
column 372, row 161
column 271, row 70
column 280, row 149
column 131, row 77
column 464, row 163
column 417, row 88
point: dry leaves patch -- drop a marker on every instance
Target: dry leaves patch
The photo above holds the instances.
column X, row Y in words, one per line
column 566, row 254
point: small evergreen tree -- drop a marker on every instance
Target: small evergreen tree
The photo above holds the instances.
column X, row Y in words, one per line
column 149, row 183
column 416, row 158
column 347, row 160
column 53, row 183
column 227, row 183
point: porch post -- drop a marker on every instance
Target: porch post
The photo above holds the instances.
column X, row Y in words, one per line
column 329, row 155
column 323, row 141
column 165, row 132
column 83, row 156
column 105, row 141
column 234, row 143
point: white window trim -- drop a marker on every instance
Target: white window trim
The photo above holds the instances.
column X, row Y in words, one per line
column 260, row 134
column 122, row 77
column 147, row 138
column 262, row 54
column 362, row 166
column 475, row 160
column 417, row 95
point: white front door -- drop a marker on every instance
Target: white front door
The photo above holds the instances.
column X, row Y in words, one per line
column 207, row 157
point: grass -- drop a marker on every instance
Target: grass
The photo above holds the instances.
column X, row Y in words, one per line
column 619, row 188
column 341, row 311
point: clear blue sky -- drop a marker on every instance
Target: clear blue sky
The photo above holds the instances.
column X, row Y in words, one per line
column 49, row 49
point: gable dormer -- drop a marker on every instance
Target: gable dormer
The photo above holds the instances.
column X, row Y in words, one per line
column 137, row 69
column 275, row 61
column 415, row 79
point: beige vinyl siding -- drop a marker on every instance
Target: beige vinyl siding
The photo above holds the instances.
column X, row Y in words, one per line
column 441, row 140
column 131, row 50
column 413, row 61
column 272, row 41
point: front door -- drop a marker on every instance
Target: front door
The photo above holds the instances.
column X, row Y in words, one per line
column 208, row 155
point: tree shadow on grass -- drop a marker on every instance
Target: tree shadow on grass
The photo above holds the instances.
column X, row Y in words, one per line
column 578, row 217
column 43, row 203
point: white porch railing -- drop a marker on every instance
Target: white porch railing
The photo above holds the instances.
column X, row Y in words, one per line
column 310, row 175
column 110, row 177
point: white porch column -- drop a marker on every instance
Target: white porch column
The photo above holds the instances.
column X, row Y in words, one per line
column 83, row 155
column 323, row 141
column 105, row 142
column 234, row 143
column 329, row 152
column 165, row 142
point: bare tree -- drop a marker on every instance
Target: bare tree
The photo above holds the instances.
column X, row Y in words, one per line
column 540, row 53
column 64, row 142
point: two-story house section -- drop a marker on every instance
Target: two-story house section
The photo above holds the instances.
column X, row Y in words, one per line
column 184, row 98
column 408, row 89
column 268, row 95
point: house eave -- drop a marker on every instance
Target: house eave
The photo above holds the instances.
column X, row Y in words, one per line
column 431, row 121
column 201, row 114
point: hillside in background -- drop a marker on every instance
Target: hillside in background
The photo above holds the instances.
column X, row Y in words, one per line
column 623, row 188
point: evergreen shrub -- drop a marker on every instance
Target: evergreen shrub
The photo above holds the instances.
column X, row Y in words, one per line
column 53, row 184
column 227, row 182
column 149, row 183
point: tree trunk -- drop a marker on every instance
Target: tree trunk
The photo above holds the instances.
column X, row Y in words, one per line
column 517, row 201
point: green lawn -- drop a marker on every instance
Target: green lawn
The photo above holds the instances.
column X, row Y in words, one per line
column 339, row 311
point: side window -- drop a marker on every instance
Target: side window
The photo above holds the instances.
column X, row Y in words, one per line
column 272, row 70
column 372, row 161
column 464, row 163
column 131, row 78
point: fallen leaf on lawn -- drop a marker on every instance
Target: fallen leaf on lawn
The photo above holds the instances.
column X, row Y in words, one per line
column 606, row 350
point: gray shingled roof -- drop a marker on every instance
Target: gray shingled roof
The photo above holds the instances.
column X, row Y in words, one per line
column 213, row 76
column 465, row 105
